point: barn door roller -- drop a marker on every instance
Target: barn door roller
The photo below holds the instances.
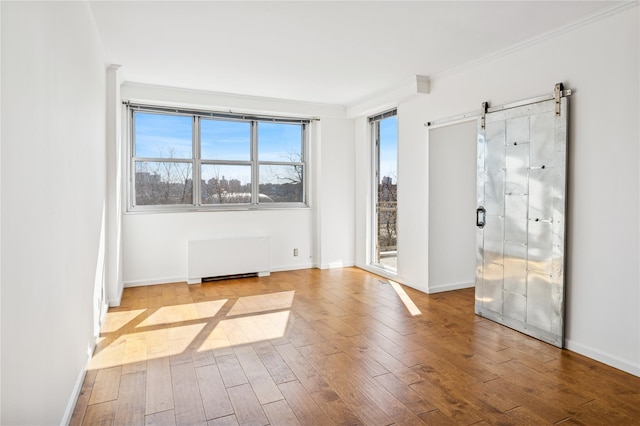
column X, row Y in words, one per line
column 485, row 107
column 557, row 94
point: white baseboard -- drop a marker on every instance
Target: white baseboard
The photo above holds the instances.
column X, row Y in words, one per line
column 450, row 287
column 169, row 280
column 292, row 267
column 154, row 281
column 77, row 388
column 606, row 358
column 339, row 264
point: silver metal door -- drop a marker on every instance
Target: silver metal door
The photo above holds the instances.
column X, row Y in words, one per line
column 522, row 160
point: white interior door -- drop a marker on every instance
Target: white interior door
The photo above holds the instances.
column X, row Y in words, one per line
column 520, row 218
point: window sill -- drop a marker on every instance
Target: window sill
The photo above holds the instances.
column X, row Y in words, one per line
column 290, row 207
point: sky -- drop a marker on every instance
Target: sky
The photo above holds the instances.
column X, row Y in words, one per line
column 389, row 148
column 162, row 136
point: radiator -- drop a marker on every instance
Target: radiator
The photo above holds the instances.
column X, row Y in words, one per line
column 227, row 256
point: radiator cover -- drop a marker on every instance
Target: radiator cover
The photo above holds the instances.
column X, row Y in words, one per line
column 227, row 256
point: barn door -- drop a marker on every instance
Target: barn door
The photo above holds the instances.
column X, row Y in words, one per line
column 520, row 216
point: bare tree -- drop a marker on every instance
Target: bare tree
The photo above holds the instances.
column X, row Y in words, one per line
column 163, row 182
column 287, row 181
column 213, row 188
column 387, row 213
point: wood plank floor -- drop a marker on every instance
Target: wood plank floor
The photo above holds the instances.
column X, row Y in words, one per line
column 338, row 346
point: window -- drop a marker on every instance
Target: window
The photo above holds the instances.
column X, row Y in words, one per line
column 280, row 162
column 384, row 135
column 184, row 159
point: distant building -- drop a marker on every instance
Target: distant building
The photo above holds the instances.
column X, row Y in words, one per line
column 147, row 178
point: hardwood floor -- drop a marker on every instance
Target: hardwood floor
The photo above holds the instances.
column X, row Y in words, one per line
column 329, row 347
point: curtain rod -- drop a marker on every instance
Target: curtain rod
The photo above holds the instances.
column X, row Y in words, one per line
column 215, row 114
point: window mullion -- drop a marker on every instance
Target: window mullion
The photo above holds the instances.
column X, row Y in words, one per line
column 196, row 175
column 255, row 186
column 303, row 150
column 226, row 162
column 163, row 159
column 281, row 163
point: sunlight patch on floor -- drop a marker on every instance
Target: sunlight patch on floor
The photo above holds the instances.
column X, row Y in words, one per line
column 136, row 347
column 411, row 307
column 138, row 335
column 187, row 312
column 116, row 320
column 246, row 330
column 262, row 303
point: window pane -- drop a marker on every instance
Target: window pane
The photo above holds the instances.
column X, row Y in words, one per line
column 163, row 182
column 279, row 142
column 225, row 140
column 163, row 135
column 281, row 184
column 389, row 151
column 224, row 184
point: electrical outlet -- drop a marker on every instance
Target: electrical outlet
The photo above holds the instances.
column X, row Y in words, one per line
column 295, row 252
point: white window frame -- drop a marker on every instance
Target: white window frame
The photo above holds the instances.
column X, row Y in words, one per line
column 374, row 126
column 196, row 161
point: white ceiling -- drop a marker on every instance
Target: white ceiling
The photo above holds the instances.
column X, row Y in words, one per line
column 328, row 51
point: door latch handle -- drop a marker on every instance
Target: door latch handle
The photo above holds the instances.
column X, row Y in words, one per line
column 481, row 217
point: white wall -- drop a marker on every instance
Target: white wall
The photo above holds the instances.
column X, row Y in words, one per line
column 452, row 203
column 53, row 189
column 363, row 195
column 413, row 195
column 600, row 62
column 155, row 244
column 336, row 191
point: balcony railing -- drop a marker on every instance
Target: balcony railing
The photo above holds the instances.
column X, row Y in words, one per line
column 387, row 231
